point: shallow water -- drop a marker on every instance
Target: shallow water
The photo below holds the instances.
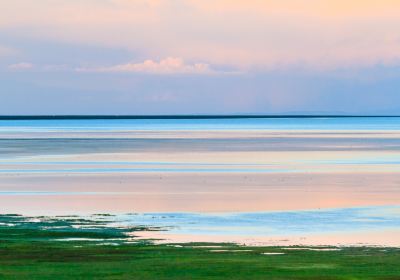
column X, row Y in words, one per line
column 261, row 179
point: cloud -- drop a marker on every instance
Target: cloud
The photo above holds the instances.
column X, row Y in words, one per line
column 21, row 66
column 268, row 34
column 169, row 65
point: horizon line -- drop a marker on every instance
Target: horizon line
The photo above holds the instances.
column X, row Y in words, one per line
column 185, row 116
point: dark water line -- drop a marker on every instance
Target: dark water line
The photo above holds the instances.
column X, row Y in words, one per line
column 139, row 117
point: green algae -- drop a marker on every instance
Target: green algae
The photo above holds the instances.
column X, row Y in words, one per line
column 79, row 248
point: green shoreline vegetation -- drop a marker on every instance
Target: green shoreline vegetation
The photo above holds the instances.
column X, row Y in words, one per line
column 73, row 247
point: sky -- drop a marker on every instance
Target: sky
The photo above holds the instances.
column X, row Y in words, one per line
column 199, row 57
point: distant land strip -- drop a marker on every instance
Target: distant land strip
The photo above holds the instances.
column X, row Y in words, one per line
column 160, row 117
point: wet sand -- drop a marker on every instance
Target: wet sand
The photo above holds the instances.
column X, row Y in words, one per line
column 384, row 238
column 193, row 192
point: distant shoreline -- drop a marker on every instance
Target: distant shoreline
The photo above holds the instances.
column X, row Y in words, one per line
column 160, row 117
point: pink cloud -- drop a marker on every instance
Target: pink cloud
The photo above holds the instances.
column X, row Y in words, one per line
column 169, row 65
column 21, row 66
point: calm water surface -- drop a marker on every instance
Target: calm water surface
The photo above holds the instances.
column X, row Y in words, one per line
column 309, row 180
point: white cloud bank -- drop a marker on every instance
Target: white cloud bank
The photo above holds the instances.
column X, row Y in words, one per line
column 20, row 66
column 169, row 65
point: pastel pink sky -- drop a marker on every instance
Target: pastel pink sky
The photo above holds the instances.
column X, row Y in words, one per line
column 219, row 56
column 262, row 33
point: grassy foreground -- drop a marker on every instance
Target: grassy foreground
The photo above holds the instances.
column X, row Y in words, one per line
column 72, row 248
